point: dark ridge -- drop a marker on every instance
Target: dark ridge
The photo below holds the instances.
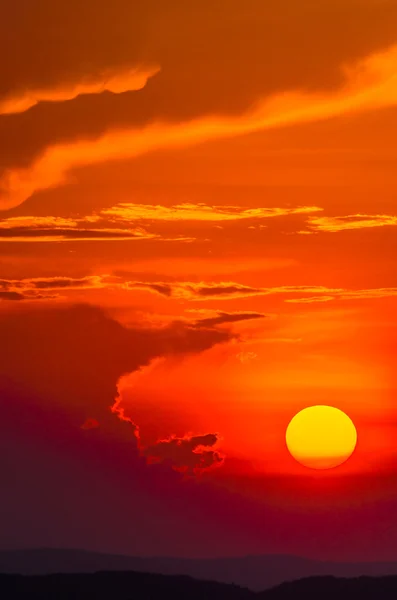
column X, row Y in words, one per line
column 333, row 588
column 149, row 586
column 115, row 586
column 254, row 572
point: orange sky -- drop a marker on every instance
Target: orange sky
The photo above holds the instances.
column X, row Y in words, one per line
column 216, row 179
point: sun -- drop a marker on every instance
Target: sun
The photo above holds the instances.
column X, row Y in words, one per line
column 321, row 437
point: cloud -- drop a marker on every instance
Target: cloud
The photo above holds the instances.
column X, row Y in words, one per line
column 246, row 357
column 370, row 294
column 196, row 291
column 347, row 222
column 80, row 235
column 195, row 80
column 190, row 454
column 231, row 291
column 223, row 318
column 197, row 212
column 114, row 81
column 311, row 299
column 29, row 222
column 60, row 229
column 31, row 289
column 52, row 283
column 119, row 222
column 220, row 291
column 13, row 296
column 60, row 368
column 90, row 424
column 368, row 84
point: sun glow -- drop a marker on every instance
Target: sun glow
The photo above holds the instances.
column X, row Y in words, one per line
column 321, row 437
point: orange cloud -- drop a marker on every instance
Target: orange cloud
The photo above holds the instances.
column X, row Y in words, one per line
column 59, row 229
column 371, row 294
column 50, row 228
column 115, row 81
column 312, row 299
column 370, row 84
column 197, row 212
column 36, row 288
column 231, row 291
column 30, row 222
column 335, row 224
column 80, row 235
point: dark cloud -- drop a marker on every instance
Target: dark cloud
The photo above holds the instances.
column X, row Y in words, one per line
column 190, row 454
column 73, row 357
column 30, row 289
column 71, row 234
column 226, row 318
column 11, row 296
column 65, row 41
column 202, row 291
column 68, row 486
column 51, row 283
column 215, row 58
column 90, row 424
column 64, row 364
column 224, row 290
column 162, row 288
column 63, row 282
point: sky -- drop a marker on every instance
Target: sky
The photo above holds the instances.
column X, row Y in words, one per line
column 198, row 218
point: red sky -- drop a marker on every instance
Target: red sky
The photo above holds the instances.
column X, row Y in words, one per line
column 197, row 240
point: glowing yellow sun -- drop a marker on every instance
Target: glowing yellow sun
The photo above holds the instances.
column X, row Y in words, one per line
column 321, row 437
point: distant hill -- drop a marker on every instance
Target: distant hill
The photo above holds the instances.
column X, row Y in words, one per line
column 149, row 586
column 115, row 586
column 253, row 572
column 331, row 588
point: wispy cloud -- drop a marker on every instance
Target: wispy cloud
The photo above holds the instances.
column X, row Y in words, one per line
column 37, row 288
column 220, row 291
column 30, row 222
column 342, row 223
column 116, row 81
column 370, row 84
column 231, row 291
column 370, row 294
column 121, row 222
column 49, row 288
column 197, row 212
column 226, row 318
column 78, row 235
column 59, row 229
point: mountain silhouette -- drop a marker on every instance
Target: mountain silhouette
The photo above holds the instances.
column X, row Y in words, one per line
column 254, row 572
column 149, row 586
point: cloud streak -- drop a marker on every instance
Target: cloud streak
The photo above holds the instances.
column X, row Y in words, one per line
column 32, row 289
column 115, row 81
column 369, row 85
column 220, row 291
column 59, row 229
column 370, row 294
column 349, row 222
column 121, row 222
column 232, row 291
column 197, row 212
